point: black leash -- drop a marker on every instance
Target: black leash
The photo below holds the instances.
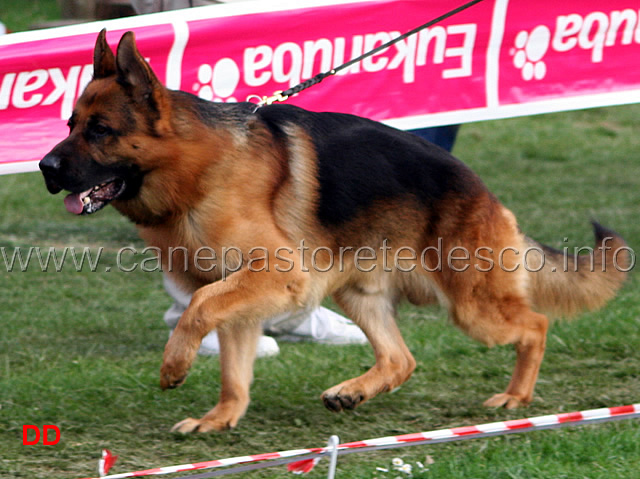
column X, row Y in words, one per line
column 283, row 95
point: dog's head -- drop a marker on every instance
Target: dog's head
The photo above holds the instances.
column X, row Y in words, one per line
column 115, row 132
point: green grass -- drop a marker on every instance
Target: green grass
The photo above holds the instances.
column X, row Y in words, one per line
column 19, row 15
column 82, row 350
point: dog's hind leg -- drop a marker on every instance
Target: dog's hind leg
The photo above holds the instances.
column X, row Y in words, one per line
column 508, row 320
column 238, row 343
column 374, row 313
column 530, row 346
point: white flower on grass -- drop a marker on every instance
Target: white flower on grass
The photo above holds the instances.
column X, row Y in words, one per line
column 406, row 468
column 398, row 465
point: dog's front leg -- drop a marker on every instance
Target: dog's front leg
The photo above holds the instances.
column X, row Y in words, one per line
column 236, row 308
column 238, row 343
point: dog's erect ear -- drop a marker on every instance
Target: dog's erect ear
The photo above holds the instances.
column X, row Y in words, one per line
column 133, row 71
column 104, row 62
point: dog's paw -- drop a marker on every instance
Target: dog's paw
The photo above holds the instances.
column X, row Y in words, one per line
column 186, row 426
column 170, row 381
column 224, row 416
column 205, row 424
column 341, row 401
column 172, row 375
column 175, row 365
column 508, row 401
column 191, row 425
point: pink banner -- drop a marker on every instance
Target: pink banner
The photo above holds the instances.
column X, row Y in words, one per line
column 497, row 59
column 574, row 49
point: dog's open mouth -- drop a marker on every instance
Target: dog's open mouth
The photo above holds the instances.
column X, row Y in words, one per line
column 95, row 198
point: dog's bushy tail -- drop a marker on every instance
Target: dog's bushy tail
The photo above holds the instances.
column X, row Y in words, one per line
column 568, row 283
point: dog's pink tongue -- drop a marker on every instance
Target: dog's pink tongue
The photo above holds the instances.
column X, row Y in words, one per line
column 73, row 203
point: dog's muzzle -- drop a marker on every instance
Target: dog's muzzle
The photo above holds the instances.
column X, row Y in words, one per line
column 50, row 166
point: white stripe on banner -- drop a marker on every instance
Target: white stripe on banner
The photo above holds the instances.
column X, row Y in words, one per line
column 493, row 52
column 174, row 61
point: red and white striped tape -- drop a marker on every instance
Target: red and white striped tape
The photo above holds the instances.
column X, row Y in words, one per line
column 106, row 462
column 430, row 437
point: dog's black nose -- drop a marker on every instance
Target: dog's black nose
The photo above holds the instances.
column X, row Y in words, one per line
column 51, row 166
column 50, row 163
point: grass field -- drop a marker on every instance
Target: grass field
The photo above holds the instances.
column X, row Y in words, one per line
column 82, row 350
column 18, row 16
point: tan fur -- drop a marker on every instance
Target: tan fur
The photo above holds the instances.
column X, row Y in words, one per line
column 227, row 184
column 568, row 287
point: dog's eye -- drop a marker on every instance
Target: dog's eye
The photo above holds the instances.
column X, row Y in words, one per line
column 99, row 130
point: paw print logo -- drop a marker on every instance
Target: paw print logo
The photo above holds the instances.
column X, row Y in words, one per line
column 218, row 83
column 529, row 50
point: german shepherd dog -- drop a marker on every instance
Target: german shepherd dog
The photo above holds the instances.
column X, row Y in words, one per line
column 302, row 205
